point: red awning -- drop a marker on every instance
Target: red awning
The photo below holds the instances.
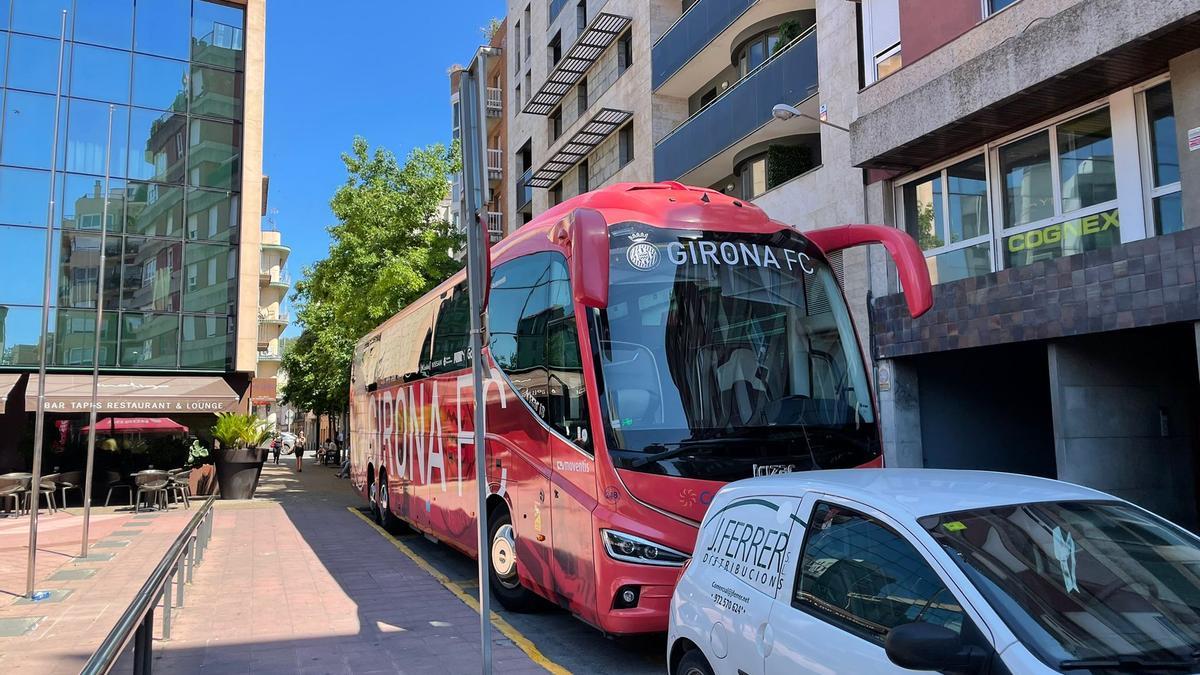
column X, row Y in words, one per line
column 137, row 425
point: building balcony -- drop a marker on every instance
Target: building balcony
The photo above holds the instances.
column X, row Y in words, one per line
column 698, row 46
column 524, row 189
column 495, row 164
column 495, row 104
column 276, row 247
column 279, row 318
column 275, row 277
column 270, row 356
column 701, row 151
column 495, row 225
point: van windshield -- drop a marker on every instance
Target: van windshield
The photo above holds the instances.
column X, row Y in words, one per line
column 726, row 355
column 1082, row 582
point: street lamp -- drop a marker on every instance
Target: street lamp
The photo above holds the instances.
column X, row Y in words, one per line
column 783, row 111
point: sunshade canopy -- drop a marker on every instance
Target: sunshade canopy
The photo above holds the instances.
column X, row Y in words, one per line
column 68, row 393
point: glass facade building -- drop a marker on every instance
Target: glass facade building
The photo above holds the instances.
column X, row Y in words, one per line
column 173, row 70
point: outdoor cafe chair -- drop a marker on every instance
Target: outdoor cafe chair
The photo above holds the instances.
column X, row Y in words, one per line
column 12, row 488
column 49, row 486
column 179, row 488
column 114, row 482
column 153, row 483
column 70, row 480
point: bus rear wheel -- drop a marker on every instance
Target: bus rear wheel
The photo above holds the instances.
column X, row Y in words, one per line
column 383, row 510
column 502, row 570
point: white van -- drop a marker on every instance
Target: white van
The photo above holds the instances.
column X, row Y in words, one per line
column 885, row 570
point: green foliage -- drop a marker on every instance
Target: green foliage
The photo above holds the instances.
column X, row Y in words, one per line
column 240, row 430
column 490, row 28
column 388, row 248
column 788, row 30
column 785, row 162
column 197, row 455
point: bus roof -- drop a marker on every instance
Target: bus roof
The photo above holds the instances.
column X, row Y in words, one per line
column 664, row 204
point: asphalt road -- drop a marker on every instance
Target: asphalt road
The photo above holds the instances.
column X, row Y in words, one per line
column 562, row 638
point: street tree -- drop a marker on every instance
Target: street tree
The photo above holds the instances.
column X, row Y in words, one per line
column 390, row 245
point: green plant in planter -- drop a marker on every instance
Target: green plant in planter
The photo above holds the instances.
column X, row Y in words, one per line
column 240, row 430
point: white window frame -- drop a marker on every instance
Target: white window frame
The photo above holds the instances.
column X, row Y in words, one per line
column 985, row 8
column 1146, row 156
column 940, row 170
column 883, row 56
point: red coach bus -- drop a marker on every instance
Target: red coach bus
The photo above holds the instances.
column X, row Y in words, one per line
column 647, row 343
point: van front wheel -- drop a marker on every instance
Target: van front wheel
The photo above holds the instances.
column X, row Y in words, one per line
column 693, row 663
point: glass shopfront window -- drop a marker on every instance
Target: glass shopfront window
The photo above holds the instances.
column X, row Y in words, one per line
column 1167, row 205
column 1028, row 183
column 173, row 71
column 947, row 213
column 1086, row 164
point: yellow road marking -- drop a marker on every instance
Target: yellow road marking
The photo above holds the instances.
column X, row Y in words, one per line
column 506, row 629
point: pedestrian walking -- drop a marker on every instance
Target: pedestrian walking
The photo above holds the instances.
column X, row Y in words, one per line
column 299, row 452
column 277, row 448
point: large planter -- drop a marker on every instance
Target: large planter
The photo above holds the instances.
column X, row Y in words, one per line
column 238, row 470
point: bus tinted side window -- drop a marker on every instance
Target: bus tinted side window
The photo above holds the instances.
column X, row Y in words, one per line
column 451, row 333
column 534, row 341
column 567, row 400
column 516, row 328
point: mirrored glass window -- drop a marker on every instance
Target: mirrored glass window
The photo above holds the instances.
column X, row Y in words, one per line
column 41, row 17
column 33, row 63
column 923, row 212
column 159, row 83
column 105, row 22
column 216, row 93
column 209, row 278
column 161, row 27
column 24, row 196
column 212, row 215
column 967, row 199
column 79, row 270
column 157, row 146
column 75, row 338
column 1086, row 166
column 149, row 340
column 28, row 129
column 214, row 154
column 88, row 138
column 20, row 333
column 82, row 204
column 1028, row 186
column 150, row 279
column 217, row 37
column 154, row 209
column 207, row 342
column 22, row 265
column 100, row 73
column 1160, row 110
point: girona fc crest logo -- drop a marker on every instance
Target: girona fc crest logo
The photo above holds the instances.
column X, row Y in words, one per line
column 641, row 254
column 687, row 497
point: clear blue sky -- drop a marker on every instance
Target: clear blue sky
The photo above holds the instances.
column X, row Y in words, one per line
column 375, row 68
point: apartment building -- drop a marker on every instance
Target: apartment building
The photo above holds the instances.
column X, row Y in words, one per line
column 581, row 114
column 274, row 281
column 496, row 121
column 180, row 288
column 1044, row 155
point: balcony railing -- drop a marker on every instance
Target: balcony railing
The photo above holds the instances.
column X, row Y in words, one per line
column 495, row 105
column 788, row 76
column 495, row 225
column 495, row 159
column 276, row 276
column 704, row 21
column 270, row 356
column 273, row 317
column 524, row 190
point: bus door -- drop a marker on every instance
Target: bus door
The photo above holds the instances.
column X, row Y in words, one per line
column 573, row 493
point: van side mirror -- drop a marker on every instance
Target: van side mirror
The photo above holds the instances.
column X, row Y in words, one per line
column 589, row 257
column 927, row 646
column 910, row 261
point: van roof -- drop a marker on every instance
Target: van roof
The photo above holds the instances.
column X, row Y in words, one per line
column 919, row 492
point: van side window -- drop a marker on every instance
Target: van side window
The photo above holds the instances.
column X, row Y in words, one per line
column 858, row 574
column 534, row 341
column 452, row 332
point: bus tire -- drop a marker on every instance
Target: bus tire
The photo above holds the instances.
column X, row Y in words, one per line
column 383, row 507
column 693, row 663
column 502, row 570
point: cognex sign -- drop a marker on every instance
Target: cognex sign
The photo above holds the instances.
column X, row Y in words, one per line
column 1071, row 230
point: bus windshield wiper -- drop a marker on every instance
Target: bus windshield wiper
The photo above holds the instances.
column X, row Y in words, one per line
column 671, row 453
column 1129, row 663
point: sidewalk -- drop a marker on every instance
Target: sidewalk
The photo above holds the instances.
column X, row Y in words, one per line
column 58, row 635
column 294, row 582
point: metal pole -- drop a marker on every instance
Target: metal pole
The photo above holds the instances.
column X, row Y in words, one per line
column 39, row 424
column 472, row 99
column 91, row 445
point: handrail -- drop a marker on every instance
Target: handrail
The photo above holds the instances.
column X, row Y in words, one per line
column 139, row 616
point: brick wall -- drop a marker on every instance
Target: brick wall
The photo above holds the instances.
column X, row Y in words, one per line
column 1142, row 283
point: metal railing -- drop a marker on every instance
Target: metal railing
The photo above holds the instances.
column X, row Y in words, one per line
column 495, row 225
column 495, row 105
column 495, row 159
column 137, row 622
column 281, row 317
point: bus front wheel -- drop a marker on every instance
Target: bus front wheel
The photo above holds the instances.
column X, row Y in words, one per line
column 502, row 570
column 383, row 506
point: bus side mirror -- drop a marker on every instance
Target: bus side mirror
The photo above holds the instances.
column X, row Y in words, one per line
column 589, row 258
column 910, row 261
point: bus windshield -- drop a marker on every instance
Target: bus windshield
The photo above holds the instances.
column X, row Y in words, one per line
column 727, row 355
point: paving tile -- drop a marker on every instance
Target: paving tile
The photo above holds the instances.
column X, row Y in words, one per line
column 72, row 574
column 18, row 626
column 94, row 556
column 55, row 596
column 111, row 543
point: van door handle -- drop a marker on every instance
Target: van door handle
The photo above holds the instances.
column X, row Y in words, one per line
column 764, row 639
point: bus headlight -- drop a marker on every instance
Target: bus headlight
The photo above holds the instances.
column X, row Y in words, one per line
column 628, row 548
